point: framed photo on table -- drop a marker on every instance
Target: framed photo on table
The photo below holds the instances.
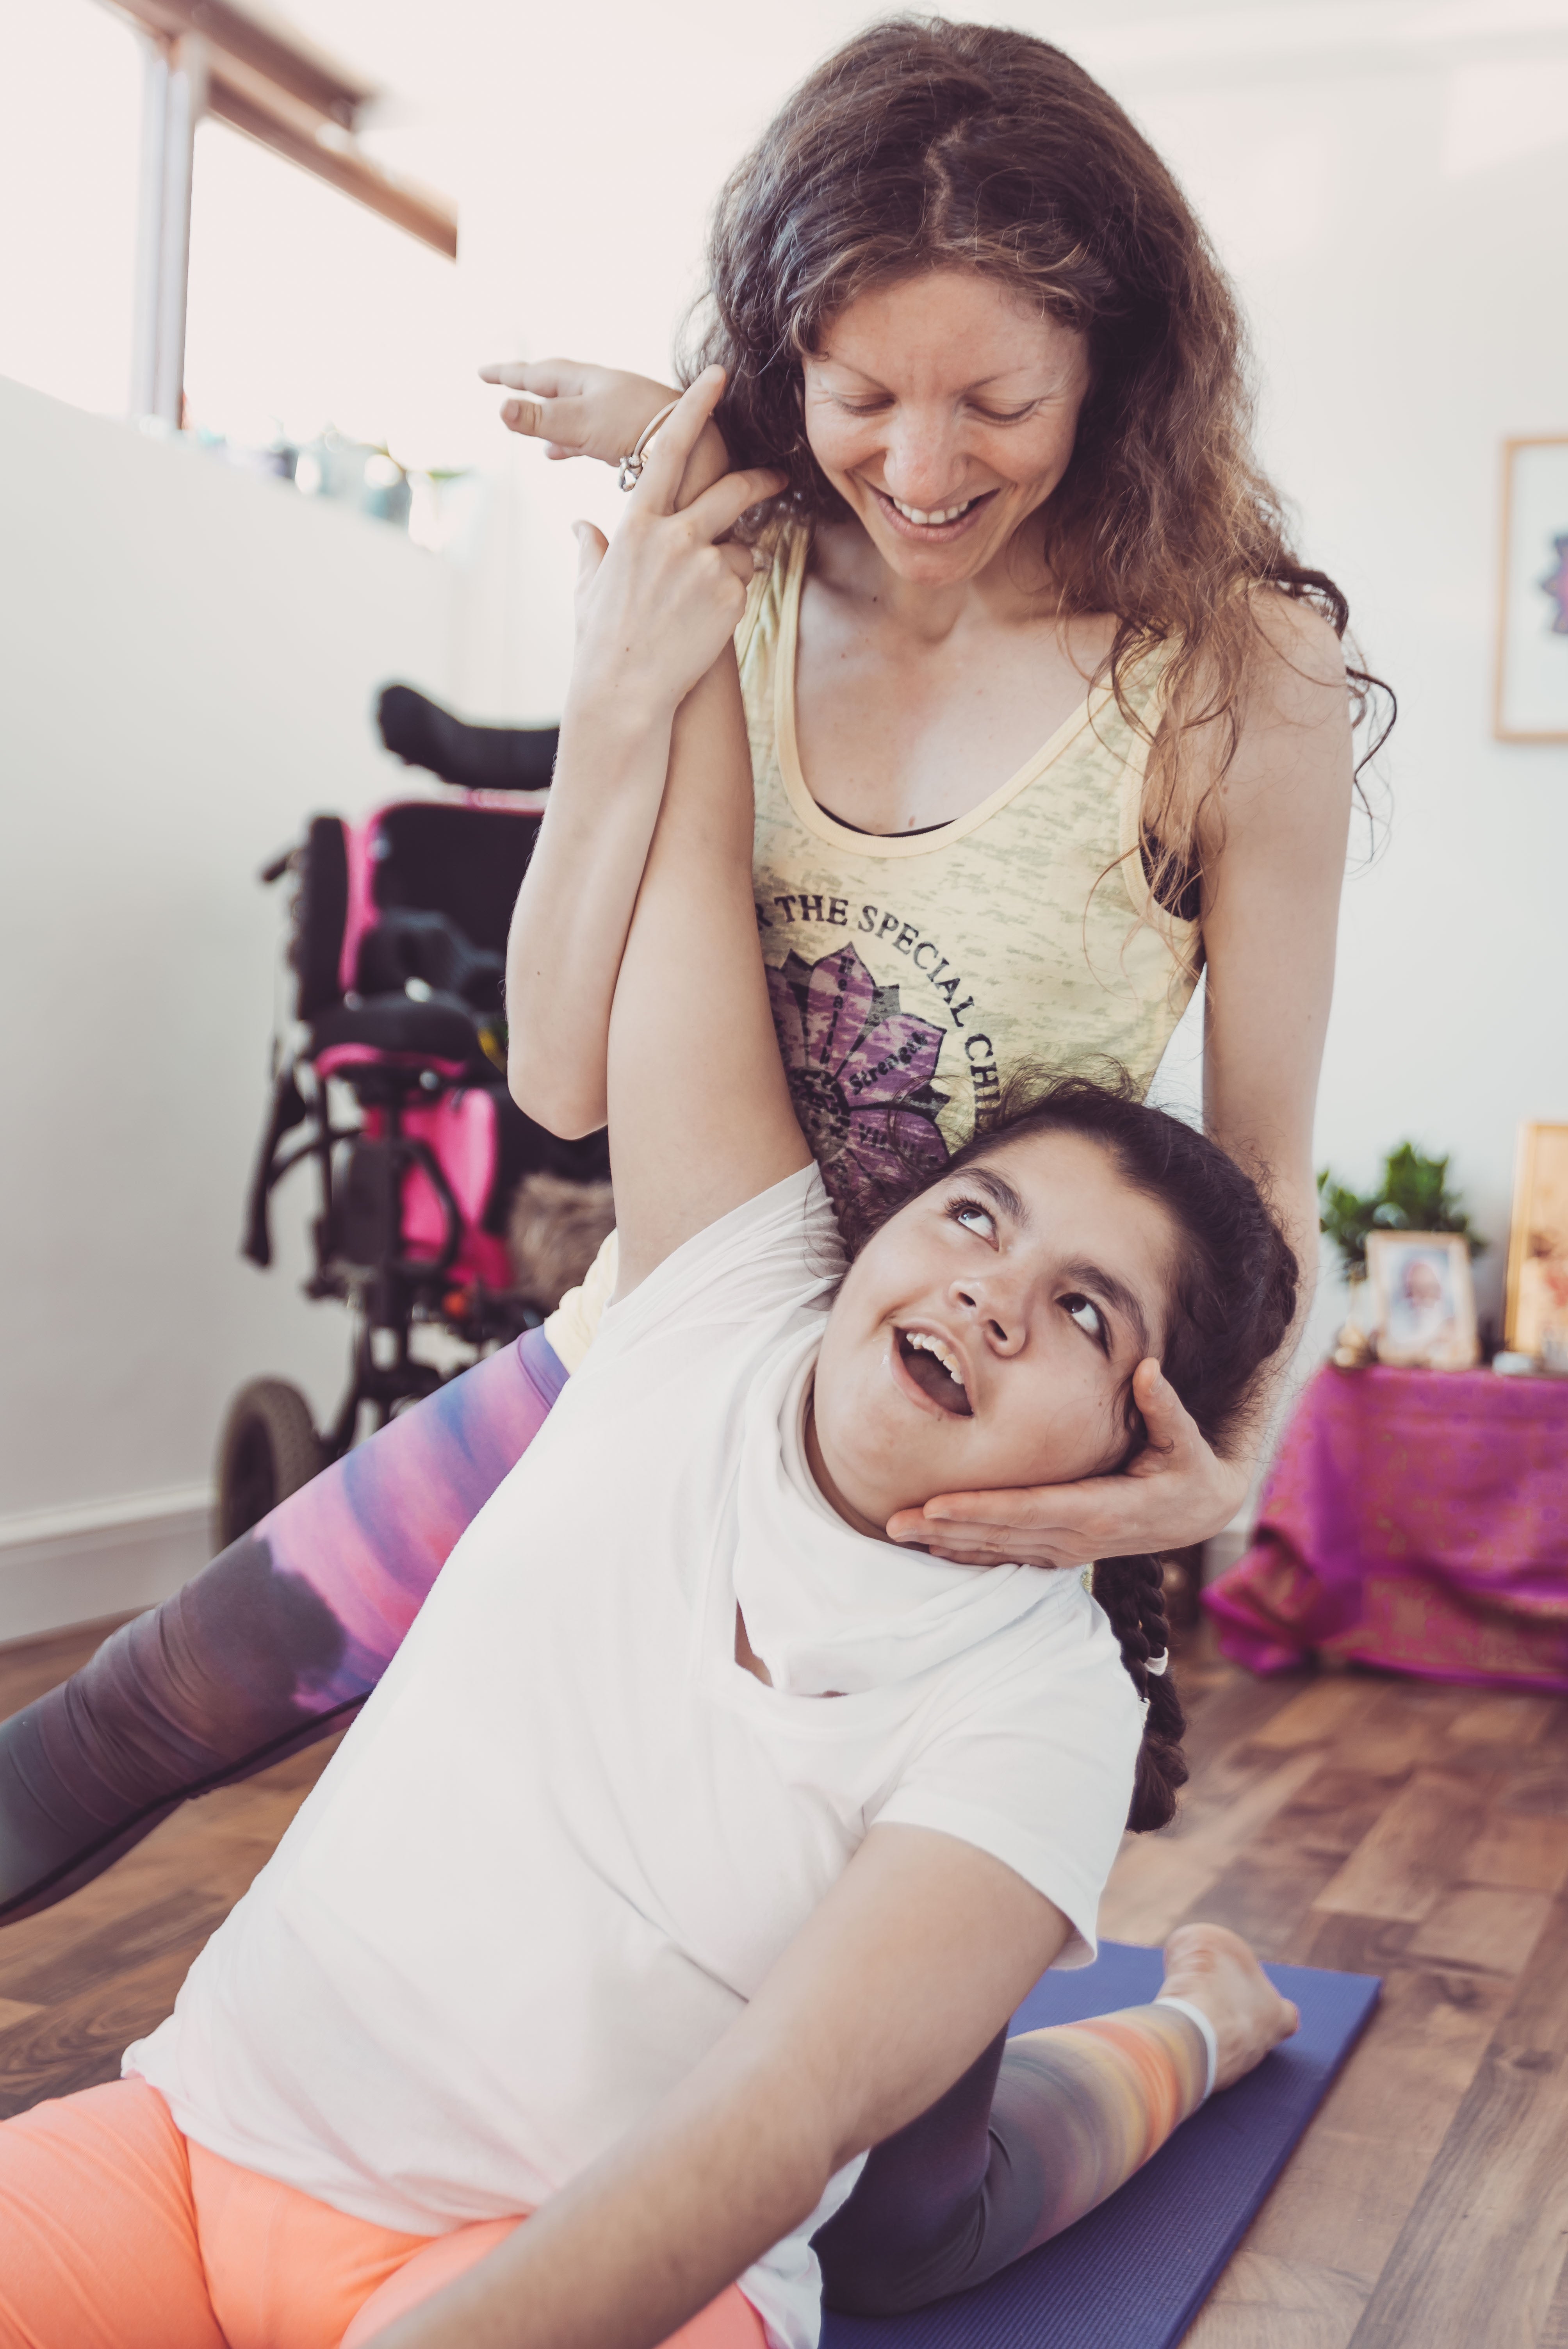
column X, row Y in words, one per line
column 1537, row 1307
column 1531, row 703
column 1424, row 1299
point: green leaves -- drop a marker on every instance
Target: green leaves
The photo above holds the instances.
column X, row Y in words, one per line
column 1414, row 1196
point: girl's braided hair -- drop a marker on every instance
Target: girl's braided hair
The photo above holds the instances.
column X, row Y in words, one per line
column 1232, row 1300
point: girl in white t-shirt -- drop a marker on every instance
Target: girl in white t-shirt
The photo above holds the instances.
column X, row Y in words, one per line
column 698, row 1838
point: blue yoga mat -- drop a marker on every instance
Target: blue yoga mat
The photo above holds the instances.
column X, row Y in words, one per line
column 1134, row 2273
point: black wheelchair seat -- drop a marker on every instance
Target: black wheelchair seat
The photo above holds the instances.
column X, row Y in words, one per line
column 438, row 1029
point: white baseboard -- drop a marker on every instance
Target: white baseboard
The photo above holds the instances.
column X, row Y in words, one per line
column 61, row 1567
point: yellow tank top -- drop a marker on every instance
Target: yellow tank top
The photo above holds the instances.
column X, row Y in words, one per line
column 911, row 974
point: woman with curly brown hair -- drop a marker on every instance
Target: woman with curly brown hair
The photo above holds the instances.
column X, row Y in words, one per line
column 1046, row 716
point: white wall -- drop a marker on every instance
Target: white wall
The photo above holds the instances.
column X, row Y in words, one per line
column 189, row 656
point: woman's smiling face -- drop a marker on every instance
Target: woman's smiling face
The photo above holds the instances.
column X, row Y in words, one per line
column 942, row 408
column 985, row 1338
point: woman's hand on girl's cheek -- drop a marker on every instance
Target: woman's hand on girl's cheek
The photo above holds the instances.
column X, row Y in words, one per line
column 1175, row 1491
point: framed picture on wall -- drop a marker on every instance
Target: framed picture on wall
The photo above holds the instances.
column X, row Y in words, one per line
column 1537, row 1309
column 1531, row 703
column 1424, row 1300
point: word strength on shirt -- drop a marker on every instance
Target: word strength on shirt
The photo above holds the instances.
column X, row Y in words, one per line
column 872, row 922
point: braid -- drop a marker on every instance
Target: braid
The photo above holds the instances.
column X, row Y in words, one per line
column 1132, row 1592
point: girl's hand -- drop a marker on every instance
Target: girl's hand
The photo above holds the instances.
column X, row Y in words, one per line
column 578, row 410
column 595, row 411
column 1175, row 1491
column 656, row 609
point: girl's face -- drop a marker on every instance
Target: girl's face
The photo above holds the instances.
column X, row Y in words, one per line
column 985, row 1338
column 943, row 410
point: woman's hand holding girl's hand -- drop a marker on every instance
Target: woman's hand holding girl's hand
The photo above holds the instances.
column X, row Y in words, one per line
column 1175, row 1491
column 656, row 607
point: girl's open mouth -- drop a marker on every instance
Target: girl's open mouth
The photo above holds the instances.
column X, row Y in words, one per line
column 932, row 1366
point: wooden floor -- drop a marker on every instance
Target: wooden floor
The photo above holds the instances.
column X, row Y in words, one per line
column 1381, row 1826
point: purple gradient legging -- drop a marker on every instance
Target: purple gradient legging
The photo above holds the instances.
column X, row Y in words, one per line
column 282, row 1636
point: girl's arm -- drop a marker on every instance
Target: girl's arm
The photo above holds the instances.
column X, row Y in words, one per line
column 908, row 1966
column 1271, row 910
column 652, row 617
column 700, row 1114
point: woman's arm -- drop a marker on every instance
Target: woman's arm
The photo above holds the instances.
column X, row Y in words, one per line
column 910, row 1967
column 651, row 616
column 1271, row 920
column 1271, row 909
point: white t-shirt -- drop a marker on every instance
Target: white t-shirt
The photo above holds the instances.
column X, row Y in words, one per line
column 568, row 1836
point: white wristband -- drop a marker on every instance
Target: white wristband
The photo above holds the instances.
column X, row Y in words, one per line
column 1196, row 2015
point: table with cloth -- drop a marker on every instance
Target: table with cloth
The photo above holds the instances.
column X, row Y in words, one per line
column 1415, row 1520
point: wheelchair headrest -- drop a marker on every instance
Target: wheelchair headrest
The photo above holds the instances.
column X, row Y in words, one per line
column 477, row 758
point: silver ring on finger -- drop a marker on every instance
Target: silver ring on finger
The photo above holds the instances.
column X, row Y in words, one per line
column 630, row 467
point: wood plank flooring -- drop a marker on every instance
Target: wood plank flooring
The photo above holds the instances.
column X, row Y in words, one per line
column 1389, row 1826
column 1420, row 1833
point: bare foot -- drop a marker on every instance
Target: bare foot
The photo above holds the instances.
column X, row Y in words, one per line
column 1214, row 1968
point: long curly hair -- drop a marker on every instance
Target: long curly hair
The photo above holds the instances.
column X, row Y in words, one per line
column 923, row 144
column 1232, row 1300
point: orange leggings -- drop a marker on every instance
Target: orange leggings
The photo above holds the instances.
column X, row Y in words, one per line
column 116, row 2232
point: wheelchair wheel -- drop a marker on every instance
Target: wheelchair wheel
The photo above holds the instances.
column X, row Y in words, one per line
column 268, row 1449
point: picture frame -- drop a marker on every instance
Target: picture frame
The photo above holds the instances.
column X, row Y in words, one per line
column 1536, row 1306
column 1531, row 701
column 1423, row 1299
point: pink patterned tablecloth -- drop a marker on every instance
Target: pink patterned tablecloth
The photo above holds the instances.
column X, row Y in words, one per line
column 1414, row 1519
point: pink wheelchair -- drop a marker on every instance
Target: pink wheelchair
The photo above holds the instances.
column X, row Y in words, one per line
column 389, row 1081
